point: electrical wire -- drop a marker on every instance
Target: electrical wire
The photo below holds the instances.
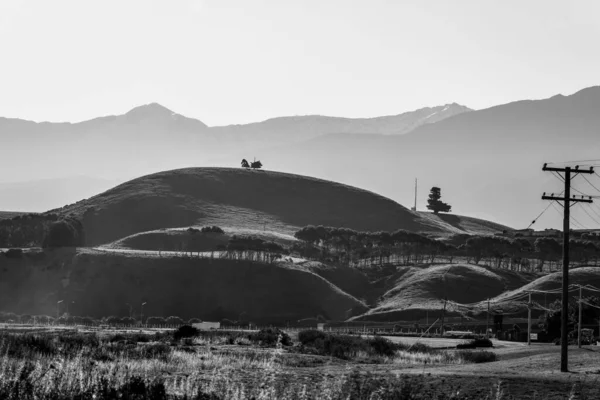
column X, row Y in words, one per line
column 542, row 213
column 590, row 183
column 573, row 162
column 590, row 215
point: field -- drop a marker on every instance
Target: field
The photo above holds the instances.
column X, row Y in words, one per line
column 51, row 363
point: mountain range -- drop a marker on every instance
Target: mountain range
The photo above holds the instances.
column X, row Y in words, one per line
column 487, row 162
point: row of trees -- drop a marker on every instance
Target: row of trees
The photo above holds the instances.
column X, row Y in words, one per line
column 363, row 249
column 253, row 249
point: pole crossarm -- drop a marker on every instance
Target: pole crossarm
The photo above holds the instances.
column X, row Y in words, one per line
column 575, row 170
column 571, row 199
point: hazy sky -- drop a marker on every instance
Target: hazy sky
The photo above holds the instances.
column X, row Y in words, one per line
column 238, row 61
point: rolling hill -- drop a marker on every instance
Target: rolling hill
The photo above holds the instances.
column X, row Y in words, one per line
column 243, row 199
column 100, row 284
column 415, row 290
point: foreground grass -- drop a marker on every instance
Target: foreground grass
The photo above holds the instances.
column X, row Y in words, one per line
column 217, row 366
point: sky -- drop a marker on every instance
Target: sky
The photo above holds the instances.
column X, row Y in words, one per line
column 239, row 61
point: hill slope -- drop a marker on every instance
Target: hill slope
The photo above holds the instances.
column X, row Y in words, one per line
column 236, row 198
column 102, row 284
column 417, row 289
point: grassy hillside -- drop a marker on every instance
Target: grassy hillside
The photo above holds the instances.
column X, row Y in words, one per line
column 177, row 239
column 413, row 290
column 461, row 224
column 102, row 284
column 239, row 198
column 578, row 276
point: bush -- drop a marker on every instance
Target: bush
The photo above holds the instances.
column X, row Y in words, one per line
column 309, row 336
column 270, row 336
column 477, row 357
column 382, row 346
column 185, row 331
column 475, row 343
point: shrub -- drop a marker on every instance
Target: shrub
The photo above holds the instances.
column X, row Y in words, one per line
column 270, row 336
column 382, row 346
column 309, row 336
column 185, row 331
column 477, row 357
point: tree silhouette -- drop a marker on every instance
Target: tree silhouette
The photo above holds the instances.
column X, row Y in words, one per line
column 435, row 204
column 256, row 164
column 245, row 164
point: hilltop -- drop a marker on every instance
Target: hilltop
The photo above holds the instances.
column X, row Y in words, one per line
column 242, row 199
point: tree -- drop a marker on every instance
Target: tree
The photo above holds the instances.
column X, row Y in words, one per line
column 245, row 164
column 64, row 233
column 434, row 204
column 256, row 164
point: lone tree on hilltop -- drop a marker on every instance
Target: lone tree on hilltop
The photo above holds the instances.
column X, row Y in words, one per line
column 245, row 164
column 256, row 164
column 434, row 204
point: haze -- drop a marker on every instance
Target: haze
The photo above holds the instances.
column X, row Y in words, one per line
column 237, row 61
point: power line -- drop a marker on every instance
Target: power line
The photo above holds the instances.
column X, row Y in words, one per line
column 573, row 162
column 542, row 213
column 590, row 183
column 590, row 215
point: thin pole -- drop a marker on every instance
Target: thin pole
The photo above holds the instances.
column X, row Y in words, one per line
column 529, row 321
column 415, row 194
column 443, row 315
column 487, row 326
column 579, row 325
column 564, row 318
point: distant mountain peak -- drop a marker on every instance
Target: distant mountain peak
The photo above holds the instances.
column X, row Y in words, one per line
column 151, row 109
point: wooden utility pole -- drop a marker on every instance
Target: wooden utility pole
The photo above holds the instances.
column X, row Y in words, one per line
column 529, row 321
column 579, row 324
column 487, row 324
column 569, row 173
column 443, row 315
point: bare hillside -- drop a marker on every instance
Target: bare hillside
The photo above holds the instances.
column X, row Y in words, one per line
column 414, row 290
column 236, row 197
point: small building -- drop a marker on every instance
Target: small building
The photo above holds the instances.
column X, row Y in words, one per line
column 205, row 326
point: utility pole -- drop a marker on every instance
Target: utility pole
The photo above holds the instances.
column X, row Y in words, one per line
column 487, row 325
column 529, row 321
column 579, row 324
column 569, row 173
column 58, row 309
column 443, row 315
